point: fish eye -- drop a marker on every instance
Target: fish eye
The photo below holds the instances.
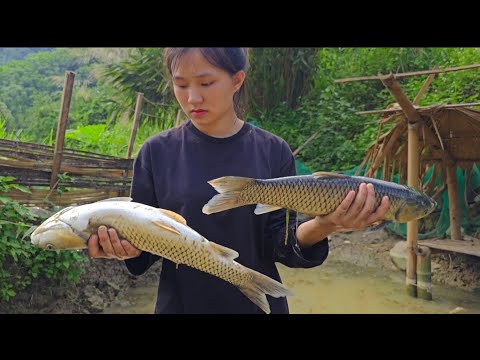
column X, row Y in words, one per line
column 49, row 247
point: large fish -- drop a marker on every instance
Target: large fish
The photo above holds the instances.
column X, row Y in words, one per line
column 158, row 231
column 316, row 194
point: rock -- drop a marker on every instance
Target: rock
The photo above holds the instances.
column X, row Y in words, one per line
column 124, row 303
column 398, row 254
column 94, row 299
column 113, row 285
column 458, row 310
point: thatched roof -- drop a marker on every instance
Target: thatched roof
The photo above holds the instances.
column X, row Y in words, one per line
column 446, row 135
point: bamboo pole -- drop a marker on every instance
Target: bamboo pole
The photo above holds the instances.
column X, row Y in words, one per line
column 136, row 121
column 412, row 226
column 453, row 203
column 393, row 110
column 408, row 74
column 311, row 138
column 424, row 273
column 412, row 175
column 425, row 86
column 62, row 126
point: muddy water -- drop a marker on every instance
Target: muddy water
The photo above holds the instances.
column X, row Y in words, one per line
column 342, row 288
column 338, row 288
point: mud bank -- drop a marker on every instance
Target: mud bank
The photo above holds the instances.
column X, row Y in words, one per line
column 105, row 281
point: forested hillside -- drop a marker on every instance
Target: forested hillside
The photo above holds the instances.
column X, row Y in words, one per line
column 8, row 54
column 291, row 92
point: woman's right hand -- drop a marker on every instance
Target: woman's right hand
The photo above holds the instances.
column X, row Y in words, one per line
column 106, row 244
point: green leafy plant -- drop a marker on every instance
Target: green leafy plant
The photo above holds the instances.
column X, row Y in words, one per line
column 20, row 262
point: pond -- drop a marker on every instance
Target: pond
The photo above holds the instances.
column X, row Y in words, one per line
column 337, row 288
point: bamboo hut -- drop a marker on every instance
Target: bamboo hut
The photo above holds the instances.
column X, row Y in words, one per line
column 444, row 136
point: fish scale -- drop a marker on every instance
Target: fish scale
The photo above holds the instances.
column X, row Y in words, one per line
column 317, row 194
column 309, row 195
column 182, row 251
column 160, row 232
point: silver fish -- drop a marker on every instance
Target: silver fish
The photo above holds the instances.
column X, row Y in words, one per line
column 158, row 231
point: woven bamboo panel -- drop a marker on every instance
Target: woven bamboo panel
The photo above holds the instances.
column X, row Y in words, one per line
column 86, row 176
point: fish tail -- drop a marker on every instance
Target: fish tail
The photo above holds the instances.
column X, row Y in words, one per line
column 260, row 285
column 229, row 187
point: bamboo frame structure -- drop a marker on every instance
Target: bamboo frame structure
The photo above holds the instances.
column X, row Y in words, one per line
column 447, row 136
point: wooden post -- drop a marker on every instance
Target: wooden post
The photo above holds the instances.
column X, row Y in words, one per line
column 453, row 203
column 62, row 127
column 412, row 226
column 412, row 178
column 136, row 121
column 424, row 273
column 425, row 86
column 131, row 143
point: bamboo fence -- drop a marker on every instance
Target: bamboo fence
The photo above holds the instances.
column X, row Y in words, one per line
column 84, row 176
column 56, row 175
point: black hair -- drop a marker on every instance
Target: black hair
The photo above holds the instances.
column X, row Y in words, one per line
column 232, row 60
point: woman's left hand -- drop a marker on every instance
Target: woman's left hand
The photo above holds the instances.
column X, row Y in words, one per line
column 356, row 211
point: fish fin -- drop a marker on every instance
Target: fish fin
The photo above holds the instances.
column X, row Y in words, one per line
column 224, row 251
column 378, row 226
column 173, row 215
column 229, row 188
column 230, row 183
column 117, row 199
column 327, row 174
column 166, row 227
column 262, row 208
column 259, row 286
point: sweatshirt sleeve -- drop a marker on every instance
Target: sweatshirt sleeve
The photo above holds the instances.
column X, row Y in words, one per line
column 142, row 191
column 286, row 249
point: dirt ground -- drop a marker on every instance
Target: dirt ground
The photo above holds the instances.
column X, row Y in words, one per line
column 99, row 287
column 373, row 250
column 105, row 279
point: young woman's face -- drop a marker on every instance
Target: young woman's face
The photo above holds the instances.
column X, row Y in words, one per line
column 205, row 92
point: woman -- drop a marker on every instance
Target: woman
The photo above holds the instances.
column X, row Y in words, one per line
column 173, row 167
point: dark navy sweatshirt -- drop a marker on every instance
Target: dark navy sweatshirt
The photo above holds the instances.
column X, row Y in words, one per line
column 171, row 172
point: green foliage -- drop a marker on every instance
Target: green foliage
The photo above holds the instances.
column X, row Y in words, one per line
column 279, row 75
column 12, row 135
column 20, row 262
column 8, row 54
column 292, row 93
column 31, row 90
column 142, row 72
column 330, row 108
column 111, row 139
